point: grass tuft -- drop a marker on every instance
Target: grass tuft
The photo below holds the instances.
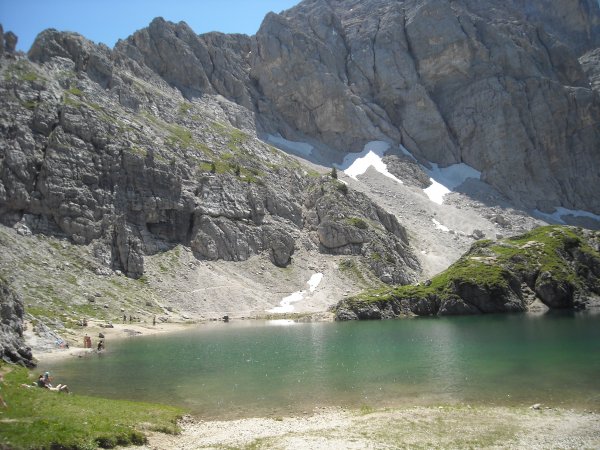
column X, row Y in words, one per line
column 42, row 419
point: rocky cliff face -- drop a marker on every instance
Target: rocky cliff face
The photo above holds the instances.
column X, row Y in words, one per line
column 499, row 88
column 97, row 147
column 12, row 346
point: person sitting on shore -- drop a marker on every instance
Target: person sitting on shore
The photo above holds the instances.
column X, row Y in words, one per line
column 44, row 382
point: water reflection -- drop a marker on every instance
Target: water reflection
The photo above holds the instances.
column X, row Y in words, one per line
column 250, row 368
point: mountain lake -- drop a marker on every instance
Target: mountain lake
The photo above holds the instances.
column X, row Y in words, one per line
column 249, row 368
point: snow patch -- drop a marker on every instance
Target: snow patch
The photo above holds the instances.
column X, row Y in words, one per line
column 314, row 281
column 439, row 226
column 356, row 164
column 300, row 148
column 559, row 212
column 285, row 306
column 436, row 191
column 444, row 180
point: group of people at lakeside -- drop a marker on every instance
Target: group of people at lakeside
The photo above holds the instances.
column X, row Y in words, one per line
column 87, row 342
column 44, row 381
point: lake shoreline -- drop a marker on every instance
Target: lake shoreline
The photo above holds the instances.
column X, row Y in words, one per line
column 119, row 331
column 445, row 426
column 46, row 351
column 375, row 425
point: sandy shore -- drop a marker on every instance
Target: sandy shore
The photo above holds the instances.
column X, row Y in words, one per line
column 418, row 427
column 44, row 352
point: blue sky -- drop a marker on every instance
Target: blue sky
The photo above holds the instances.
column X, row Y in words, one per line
column 108, row 20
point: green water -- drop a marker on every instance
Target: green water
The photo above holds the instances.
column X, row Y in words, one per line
column 244, row 369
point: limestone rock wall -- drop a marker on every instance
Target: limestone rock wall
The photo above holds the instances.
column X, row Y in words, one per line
column 97, row 147
column 12, row 345
column 497, row 87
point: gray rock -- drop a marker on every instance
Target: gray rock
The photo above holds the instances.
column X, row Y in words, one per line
column 554, row 293
column 12, row 344
column 496, row 78
column 95, row 60
column 590, row 63
column 10, row 42
column 23, row 229
column 478, row 234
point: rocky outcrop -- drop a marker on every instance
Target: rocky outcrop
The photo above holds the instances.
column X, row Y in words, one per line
column 126, row 164
column 590, row 63
column 464, row 81
column 93, row 59
column 12, row 345
column 196, row 65
column 10, row 42
column 452, row 81
column 345, row 222
column 559, row 266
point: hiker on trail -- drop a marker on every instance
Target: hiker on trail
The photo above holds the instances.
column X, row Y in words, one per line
column 154, row 321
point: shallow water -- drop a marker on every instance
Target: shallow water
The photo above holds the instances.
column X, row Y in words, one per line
column 249, row 368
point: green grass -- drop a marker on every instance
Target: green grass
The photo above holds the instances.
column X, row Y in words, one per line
column 184, row 108
column 75, row 91
column 352, row 269
column 136, row 150
column 491, row 264
column 226, row 165
column 21, row 71
column 235, row 137
column 357, row 222
column 29, row 104
column 41, row 419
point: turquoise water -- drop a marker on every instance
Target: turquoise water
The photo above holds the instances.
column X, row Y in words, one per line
column 243, row 369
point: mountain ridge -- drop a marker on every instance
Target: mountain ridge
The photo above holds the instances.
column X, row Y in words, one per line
column 132, row 152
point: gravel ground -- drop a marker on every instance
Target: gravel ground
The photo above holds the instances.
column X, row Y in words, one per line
column 419, row 427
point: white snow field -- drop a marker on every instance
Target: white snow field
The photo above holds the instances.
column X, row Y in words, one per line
column 286, row 303
column 298, row 148
column 356, row 164
column 445, row 180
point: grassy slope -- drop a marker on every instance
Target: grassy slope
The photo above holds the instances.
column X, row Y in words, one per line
column 490, row 264
column 42, row 419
